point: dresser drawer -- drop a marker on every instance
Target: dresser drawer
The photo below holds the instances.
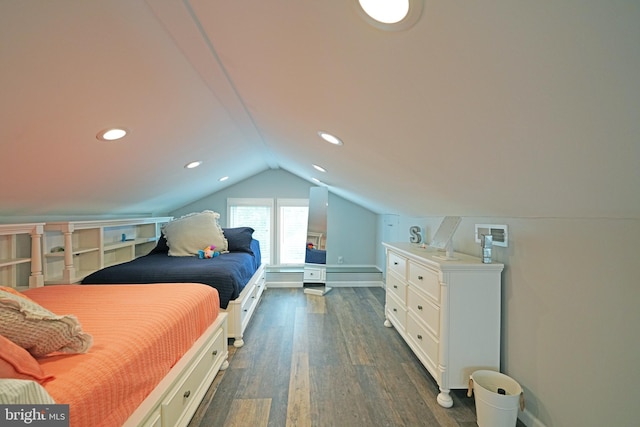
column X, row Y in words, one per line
column 189, row 392
column 397, row 287
column 314, row 275
column 425, row 310
column 397, row 264
column 426, row 343
column 261, row 282
column 255, row 290
column 425, row 279
column 396, row 312
column 246, row 305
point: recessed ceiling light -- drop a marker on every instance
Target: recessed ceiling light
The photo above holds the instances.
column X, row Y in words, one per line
column 193, row 165
column 319, row 168
column 390, row 15
column 317, row 181
column 111, row 134
column 224, row 178
column 330, row 138
column 386, row 11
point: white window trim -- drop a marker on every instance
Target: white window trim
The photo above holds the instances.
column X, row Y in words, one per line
column 248, row 201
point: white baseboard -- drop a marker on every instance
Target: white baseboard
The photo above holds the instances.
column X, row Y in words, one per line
column 356, row 284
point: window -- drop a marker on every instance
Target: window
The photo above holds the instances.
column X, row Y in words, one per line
column 292, row 230
column 280, row 225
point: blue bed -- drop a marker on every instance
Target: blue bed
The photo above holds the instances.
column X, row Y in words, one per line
column 228, row 272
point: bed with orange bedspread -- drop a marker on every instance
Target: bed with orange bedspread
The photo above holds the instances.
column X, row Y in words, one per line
column 152, row 346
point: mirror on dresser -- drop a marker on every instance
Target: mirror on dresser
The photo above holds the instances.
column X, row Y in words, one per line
column 315, row 268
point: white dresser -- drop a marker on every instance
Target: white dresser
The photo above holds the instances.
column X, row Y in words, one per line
column 448, row 312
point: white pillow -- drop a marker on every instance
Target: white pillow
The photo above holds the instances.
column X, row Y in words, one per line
column 38, row 330
column 193, row 232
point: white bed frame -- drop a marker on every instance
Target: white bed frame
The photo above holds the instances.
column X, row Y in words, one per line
column 241, row 309
column 177, row 397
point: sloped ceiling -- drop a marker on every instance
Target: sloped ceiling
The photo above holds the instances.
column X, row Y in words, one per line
column 488, row 108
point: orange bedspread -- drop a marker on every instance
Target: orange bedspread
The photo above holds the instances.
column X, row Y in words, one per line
column 139, row 333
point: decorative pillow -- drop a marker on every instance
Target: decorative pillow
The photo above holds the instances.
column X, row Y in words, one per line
column 38, row 330
column 191, row 233
column 239, row 238
column 17, row 363
column 23, row 392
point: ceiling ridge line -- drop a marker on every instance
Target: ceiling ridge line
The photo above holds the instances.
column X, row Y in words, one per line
column 271, row 159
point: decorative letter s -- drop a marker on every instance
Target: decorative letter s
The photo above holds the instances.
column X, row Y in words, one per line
column 415, row 234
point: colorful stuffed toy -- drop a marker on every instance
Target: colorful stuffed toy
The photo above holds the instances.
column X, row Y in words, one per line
column 208, row 252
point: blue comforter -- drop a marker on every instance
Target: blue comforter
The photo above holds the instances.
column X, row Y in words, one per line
column 315, row 256
column 228, row 273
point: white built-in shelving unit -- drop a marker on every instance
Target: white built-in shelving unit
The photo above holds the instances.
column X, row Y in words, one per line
column 74, row 249
column 20, row 255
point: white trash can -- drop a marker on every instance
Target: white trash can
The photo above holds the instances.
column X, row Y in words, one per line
column 497, row 398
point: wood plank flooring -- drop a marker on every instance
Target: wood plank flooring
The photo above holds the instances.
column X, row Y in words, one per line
column 326, row 361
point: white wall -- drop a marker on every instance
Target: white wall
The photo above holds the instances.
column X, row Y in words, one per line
column 271, row 183
column 571, row 289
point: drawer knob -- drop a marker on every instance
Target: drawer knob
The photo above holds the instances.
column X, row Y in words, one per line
column 420, row 278
column 214, row 352
column 395, row 309
column 395, row 263
column 395, row 286
column 419, row 307
column 187, row 394
column 419, row 336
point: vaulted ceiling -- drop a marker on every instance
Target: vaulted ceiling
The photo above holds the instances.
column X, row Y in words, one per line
column 490, row 108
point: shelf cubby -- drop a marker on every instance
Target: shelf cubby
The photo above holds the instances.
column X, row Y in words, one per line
column 20, row 255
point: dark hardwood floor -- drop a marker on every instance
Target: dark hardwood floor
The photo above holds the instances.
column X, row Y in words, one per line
column 326, row 361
